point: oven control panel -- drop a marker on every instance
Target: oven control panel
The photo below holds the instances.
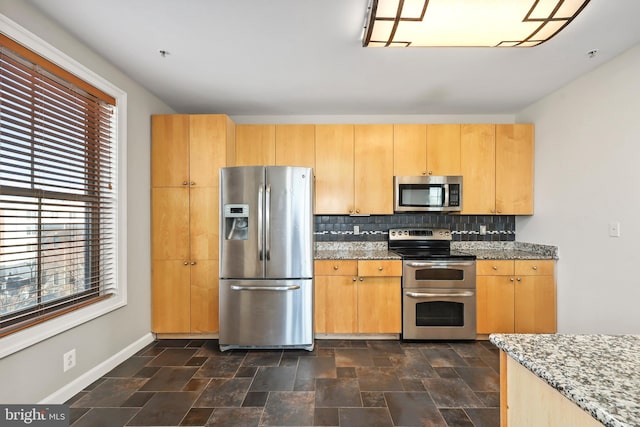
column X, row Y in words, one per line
column 419, row 234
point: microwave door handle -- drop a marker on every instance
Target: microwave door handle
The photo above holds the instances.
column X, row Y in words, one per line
column 260, row 252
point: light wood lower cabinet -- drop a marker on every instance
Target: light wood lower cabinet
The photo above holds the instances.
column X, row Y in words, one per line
column 516, row 296
column 357, row 296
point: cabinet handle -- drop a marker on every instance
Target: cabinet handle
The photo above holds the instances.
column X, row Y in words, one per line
column 335, row 267
column 495, row 267
column 535, row 267
column 193, row 263
column 186, row 263
column 184, row 183
column 379, row 268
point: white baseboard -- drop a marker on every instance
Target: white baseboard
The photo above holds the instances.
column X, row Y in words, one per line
column 74, row 387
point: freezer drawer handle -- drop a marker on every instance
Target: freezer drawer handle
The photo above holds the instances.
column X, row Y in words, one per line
column 264, row 288
column 438, row 294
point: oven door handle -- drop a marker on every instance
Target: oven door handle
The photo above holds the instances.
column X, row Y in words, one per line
column 439, row 294
column 439, row 264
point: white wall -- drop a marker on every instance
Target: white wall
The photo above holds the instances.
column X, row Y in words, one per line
column 35, row 373
column 587, row 175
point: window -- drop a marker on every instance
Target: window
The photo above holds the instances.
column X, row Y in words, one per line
column 58, row 181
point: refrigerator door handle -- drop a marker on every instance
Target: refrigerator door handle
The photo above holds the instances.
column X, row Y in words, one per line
column 260, row 207
column 267, row 214
column 265, row 288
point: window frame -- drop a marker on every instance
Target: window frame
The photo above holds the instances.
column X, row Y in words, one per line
column 41, row 331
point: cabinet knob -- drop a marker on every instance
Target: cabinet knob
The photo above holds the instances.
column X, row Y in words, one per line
column 499, row 210
column 354, row 279
column 424, row 173
column 511, row 278
column 493, row 211
column 430, row 172
column 379, row 268
column 350, row 211
column 193, row 263
column 495, row 267
column 535, row 267
column 357, row 210
column 184, row 183
column 192, row 183
column 519, row 279
column 335, row 267
column 362, row 279
column 186, row 263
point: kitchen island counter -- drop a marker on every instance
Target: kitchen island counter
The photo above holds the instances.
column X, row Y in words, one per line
column 599, row 373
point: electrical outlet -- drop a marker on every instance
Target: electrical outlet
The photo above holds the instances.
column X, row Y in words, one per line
column 356, row 229
column 69, row 360
column 483, row 230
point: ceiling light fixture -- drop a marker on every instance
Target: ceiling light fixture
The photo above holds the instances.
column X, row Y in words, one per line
column 467, row 23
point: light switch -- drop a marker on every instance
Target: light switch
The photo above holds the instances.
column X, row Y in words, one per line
column 614, row 229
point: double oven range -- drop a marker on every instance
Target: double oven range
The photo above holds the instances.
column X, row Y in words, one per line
column 438, row 285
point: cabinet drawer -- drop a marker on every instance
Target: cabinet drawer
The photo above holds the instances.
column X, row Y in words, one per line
column 336, row 267
column 494, row 267
column 379, row 268
column 537, row 267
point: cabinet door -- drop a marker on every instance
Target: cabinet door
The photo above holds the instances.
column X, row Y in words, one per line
column 514, row 169
column 443, row 149
column 373, row 169
column 410, row 150
column 478, row 166
column 169, row 150
column 535, row 304
column 203, row 219
column 170, row 223
column 208, row 148
column 379, row 305
column 204, row 296
column 255, row 145
column 494, row 304
column 295, row 145
column 334, row 169
column 335, row 305
column 171, row 297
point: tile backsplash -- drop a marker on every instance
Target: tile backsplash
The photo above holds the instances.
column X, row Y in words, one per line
column 499, row 228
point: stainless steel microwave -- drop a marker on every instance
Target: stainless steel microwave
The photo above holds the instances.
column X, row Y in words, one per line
column 427, row 193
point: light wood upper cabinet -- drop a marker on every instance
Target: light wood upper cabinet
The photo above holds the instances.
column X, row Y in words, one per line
column 170, row 150
column 255, row 145
column 373, row 169
column 420, row 149
column 514, row 169
column 334, row 169
column 295, row 145
column 516, row 296
column 409, row 149
column 443, row 149
column 478, row 167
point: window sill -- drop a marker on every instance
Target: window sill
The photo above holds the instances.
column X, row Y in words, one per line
column 40, row 332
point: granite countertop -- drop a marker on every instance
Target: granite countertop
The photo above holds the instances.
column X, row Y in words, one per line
column 599, row 373
column 482, row 250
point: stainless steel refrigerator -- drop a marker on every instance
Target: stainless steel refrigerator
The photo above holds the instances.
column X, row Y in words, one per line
column 266, row 257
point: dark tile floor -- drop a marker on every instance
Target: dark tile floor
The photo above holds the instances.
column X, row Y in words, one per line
column 340, row 383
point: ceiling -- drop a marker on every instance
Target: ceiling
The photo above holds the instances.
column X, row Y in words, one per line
column 305, row 57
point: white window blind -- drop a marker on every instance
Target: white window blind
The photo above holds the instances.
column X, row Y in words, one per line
column 57, row 190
